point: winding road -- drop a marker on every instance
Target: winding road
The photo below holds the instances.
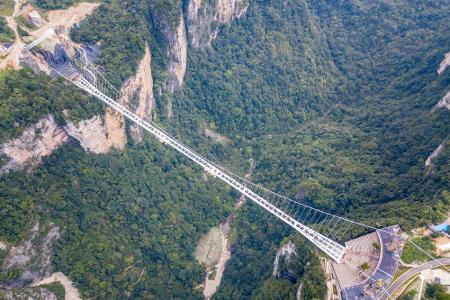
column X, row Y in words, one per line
column 412, row 272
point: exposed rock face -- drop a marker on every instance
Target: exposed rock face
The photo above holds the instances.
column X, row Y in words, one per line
column 36, row 142
column 140, row 86
column 32, row 256
column 46, row 136
column 444, row 64
column 177, row 54
column 204, row 18
column 286, row 252
column 434, row 154
column 445, row 102
column 96, row 137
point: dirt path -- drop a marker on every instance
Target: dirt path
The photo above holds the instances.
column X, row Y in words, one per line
column 71, row 291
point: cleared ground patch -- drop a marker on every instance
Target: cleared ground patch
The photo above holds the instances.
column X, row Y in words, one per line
column 209, row 247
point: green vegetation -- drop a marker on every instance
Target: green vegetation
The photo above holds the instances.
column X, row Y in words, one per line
column 6, row 7
column 364, row 266
column 24, row 22
column 249, row 271
column 376, row 245
column 123, row 34
column 124, row 28
column 273, row 289
column 167, row 11
column 436, row 291
column 26, row 97
column 56, row 288
column 6, row 33
column 332, row 99
column 412, row 254
column 408, row 296
column 140, row 216
column 55, row 4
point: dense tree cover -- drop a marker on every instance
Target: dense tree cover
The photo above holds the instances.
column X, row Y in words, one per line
column 268, row 71
column 436, row 291
column 167, row 11
column 335, row 100
column 26, row 97
column 273, row 289
column 121, row 29
column 375, row 131
column 256, row 238
column 143, row 206
column 6, row 34
column 55, row 4
column 56, row 289
column 331, row 98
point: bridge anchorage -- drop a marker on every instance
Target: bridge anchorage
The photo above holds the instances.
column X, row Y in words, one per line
column 326, row 231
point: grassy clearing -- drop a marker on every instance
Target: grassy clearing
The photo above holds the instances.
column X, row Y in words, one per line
column 6, row 7
column 412, row 254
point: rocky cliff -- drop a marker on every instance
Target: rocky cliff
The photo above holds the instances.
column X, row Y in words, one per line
column 141, row 86
column 176, row 52
column 205, row 17
column 445, row 101
column 98, row 134
column 203, row 21
column 285, row 252
column 444, row 64
column 39, row 140
column 434, row 154
column 32, row 256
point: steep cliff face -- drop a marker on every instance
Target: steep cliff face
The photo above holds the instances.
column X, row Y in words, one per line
column 444, row 64
column 445, row 101
column 205, row 17
column 97, row 134
column 434, row 154
column 141, row 86
column 176, row 52
column 31, row 256
column 37, row 141
column 44, row 137
column 285, row 252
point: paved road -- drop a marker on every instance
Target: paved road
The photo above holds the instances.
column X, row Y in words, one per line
column 410, row 273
